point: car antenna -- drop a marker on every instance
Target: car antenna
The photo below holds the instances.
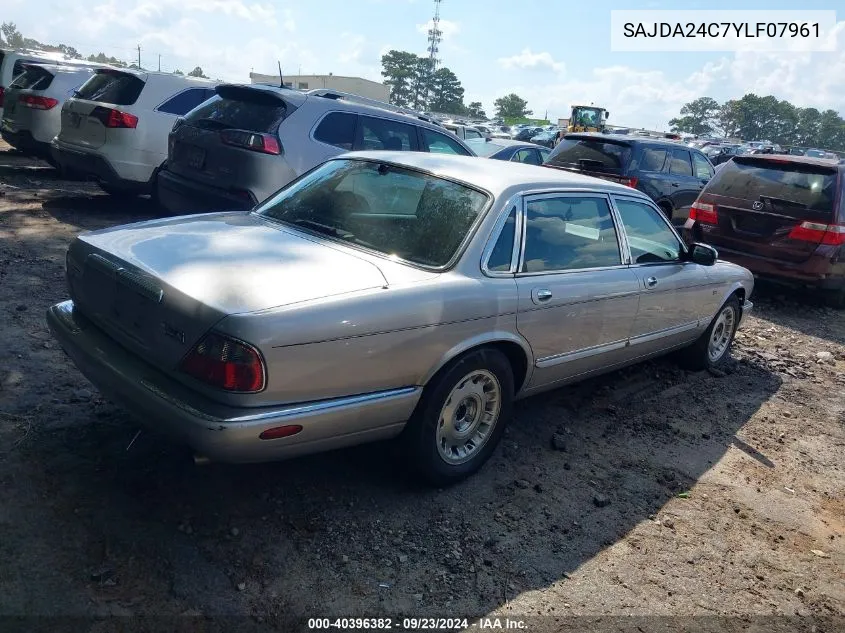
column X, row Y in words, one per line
column 281, row 79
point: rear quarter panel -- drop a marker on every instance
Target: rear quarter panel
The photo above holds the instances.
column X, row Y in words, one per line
column 375, row 340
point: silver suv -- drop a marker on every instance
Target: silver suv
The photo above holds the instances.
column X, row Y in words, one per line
column 245, row 143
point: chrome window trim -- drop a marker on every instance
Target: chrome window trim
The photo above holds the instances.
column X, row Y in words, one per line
column 513, row 204
column 648, row 203
column 528, row 198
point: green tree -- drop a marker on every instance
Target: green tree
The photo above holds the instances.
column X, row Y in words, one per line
column 447, row 94
column 697, row 117
column 831, row 134
column 197, row 72
column 400, row 70
column 11, row 36
column 178, row 72
column 511, row 106
column 102, row 58
column 476, row 110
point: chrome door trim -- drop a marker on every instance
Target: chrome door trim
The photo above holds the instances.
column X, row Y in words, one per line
column 653, row 336
column 530, row 197
column 513, row 203
column 557, row 359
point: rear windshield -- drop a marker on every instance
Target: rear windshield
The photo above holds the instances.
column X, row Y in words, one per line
column 590, row 154
column 790, row 187
column 112, row 87
column 243, row 109
column 33, row 78
column 395, row 211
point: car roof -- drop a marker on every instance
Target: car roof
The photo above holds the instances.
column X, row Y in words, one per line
column 792, row 158
column 497, row 177
column 642, row 140
column 503, row 142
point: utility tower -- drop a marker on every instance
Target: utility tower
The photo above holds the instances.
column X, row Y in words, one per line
column 435, row 35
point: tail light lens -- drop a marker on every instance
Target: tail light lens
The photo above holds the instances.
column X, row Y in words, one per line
column 225, row 363
column 37, row 102
column 629, row 182
column 704, row 213
column 253, row 141
column 830, row 234
column 114, row 118
column 2, row 95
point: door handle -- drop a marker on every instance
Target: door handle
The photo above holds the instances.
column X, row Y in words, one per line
column 676, row 184
column 651, row 282
column 544, row 295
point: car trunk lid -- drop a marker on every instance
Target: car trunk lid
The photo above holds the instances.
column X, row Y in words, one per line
column 225, row 142
column 157, row 287
column 83, row 116
column 760, row 203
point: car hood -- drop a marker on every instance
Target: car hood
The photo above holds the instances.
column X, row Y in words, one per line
column 237, row 262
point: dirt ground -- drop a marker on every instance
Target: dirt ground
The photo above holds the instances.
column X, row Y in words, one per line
column 676, row 494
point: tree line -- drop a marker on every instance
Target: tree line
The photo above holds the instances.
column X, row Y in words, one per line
column 415, row 83
column 12, row 38
column 763, row 118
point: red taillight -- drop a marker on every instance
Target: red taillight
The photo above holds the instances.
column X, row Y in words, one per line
column 830, row 234
column 629, row 182
column 254, row 141
column 37, row 102
column 225, row 363
column 114, row 118
column 280, row 431
column 704, row 213
column 2, row 95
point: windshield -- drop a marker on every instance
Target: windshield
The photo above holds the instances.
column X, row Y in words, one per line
column 587, row 116
column 393, row 210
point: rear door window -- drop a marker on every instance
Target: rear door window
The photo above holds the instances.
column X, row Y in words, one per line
column 679, row 163
column 590, row 155
column 784, row 188
column 440, row 143
column 652, row 159
column 112, row 87
column 241, row 109
column 383, row 134
column 186, row 101
column 338, row 129
column 470, row 134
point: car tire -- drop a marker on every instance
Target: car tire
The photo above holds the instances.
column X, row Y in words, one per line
column 117, row 191
column 460, row 417
column 713, row 348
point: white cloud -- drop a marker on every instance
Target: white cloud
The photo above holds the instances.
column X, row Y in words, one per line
column 526, row 60
column 353, row 47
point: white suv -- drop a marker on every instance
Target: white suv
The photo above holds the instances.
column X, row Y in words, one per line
column 115, row 128
column 12, row 64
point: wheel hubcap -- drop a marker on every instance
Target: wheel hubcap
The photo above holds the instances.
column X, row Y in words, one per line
column 468, row 416
column 723, row 330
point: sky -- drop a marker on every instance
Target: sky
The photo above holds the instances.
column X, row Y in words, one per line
column 553, row 53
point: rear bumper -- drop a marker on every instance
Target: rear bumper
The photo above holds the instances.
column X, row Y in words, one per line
column 180, row 195
column 25, row 142
column 818, row 271
column 221, row 432
column 91, row 164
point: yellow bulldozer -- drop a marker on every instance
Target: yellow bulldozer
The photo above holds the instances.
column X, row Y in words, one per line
column 587, row 119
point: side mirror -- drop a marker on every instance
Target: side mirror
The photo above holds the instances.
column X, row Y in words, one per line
column 703, row 254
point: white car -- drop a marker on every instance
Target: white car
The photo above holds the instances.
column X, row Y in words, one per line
column 115, row 129
column 12, row 64
column 32, row 116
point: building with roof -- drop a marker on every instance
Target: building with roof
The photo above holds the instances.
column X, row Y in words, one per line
column 354, row 85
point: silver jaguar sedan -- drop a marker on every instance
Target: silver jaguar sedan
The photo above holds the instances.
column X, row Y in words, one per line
column 388, row 294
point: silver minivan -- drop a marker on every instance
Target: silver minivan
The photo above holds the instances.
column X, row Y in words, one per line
column 33, row 112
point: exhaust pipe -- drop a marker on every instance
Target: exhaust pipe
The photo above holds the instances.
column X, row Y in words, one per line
column 201, row 460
